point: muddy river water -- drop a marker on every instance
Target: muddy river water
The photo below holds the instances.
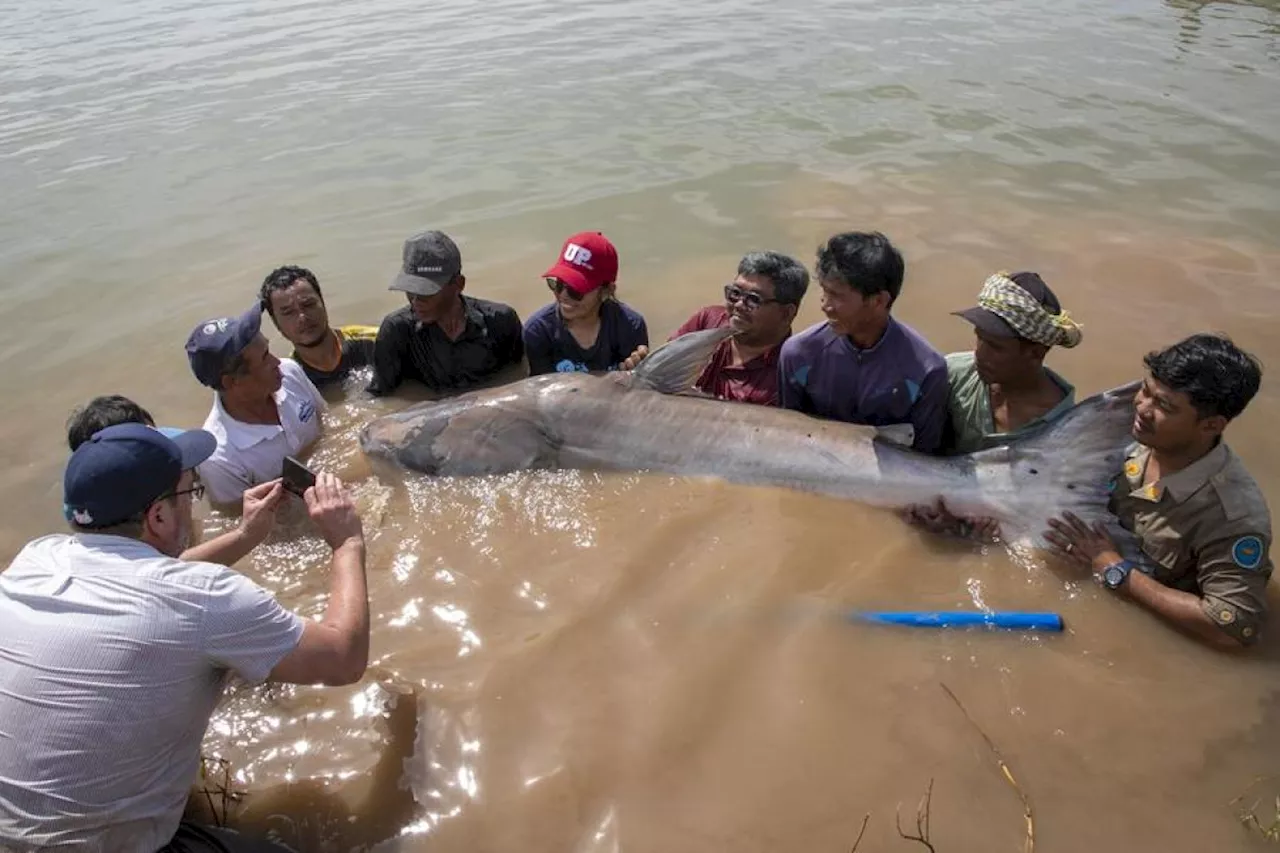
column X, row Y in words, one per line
column 578, row 662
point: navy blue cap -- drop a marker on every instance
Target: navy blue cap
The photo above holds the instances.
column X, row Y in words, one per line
column 121, row 470
column 213, row 343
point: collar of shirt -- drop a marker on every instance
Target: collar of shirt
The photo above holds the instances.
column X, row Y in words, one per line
column 242, row 436
column 1179, row 485
column 475, row 326
column 891, row 331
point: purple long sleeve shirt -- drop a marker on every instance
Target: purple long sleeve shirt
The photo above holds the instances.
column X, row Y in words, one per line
column 902, row 379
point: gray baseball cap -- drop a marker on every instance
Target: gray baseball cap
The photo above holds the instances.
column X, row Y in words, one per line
column 431, row 260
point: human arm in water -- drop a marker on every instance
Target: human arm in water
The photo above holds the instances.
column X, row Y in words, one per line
column 334, row 650
column 1093, row 549
column 259, row 516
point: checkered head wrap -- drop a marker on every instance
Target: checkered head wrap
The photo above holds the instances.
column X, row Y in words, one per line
column 1003, row 297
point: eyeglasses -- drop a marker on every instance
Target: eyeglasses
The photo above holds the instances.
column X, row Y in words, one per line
column 196, row 492
column 557, row 287
column 749, row 298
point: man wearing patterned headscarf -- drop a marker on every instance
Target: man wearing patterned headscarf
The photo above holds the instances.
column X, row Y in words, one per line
column 1002, row 390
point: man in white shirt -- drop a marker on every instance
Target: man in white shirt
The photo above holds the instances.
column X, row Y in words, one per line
column 115, row 651
column 265, row 409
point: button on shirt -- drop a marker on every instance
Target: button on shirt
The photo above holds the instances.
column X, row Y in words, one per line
column 902, row 379
column 249, row 454
column 409, row 349
column 1205, row 530
column 114, row 656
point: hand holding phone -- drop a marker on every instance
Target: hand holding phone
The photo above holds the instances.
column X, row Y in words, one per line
column 296, row 477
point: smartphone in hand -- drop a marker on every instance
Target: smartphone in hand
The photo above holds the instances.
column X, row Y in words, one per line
column 296, row 477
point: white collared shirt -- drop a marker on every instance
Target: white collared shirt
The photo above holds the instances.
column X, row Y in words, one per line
column 112, row 658
column 249, row 454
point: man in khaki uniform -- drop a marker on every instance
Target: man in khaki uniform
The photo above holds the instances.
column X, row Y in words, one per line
column 1200, row 520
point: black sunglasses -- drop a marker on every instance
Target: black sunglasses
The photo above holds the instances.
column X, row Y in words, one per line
column 749, row 298
column 557, row 287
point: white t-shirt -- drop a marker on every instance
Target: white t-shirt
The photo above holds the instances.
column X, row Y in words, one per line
column 112, row 658
column 249, row 454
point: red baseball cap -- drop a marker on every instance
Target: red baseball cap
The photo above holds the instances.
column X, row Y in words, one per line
column 587, row 261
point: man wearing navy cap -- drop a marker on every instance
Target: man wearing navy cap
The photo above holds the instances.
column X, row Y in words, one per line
column 116, row 651
column 263, row 411
column 443, row 339
column 258, row 504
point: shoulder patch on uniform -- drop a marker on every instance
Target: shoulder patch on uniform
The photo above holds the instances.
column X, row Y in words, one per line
column 801, row 376
column 1248, row 552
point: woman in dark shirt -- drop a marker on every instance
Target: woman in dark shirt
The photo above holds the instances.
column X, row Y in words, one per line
column 585, row 328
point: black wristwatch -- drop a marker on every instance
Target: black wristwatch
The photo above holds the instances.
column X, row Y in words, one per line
column 1116, row 574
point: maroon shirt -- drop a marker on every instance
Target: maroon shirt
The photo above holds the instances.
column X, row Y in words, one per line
column 753, row 382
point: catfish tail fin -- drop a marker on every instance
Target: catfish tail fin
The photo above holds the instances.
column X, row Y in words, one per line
column 1070, row 465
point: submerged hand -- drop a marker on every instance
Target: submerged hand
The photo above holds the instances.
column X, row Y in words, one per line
column 936, row 518
column 635, row 358
column 1087, row 547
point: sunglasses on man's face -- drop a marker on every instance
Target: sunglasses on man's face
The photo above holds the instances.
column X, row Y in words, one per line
column 557, row 287
column 749, row 298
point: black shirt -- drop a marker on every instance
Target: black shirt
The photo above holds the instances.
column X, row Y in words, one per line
column 407, row 349
column 357, row 345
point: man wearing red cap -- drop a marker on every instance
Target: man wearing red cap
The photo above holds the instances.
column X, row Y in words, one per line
column 585, row 328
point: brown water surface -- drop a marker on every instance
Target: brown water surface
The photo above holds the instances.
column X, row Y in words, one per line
column 573, row 662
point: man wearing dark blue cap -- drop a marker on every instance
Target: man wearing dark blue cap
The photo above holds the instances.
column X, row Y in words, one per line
column 443, row 339
column 258, row 504
column 116, row 651
column 263, row 411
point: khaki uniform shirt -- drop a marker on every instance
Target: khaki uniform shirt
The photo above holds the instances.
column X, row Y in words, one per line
column 1205, row 530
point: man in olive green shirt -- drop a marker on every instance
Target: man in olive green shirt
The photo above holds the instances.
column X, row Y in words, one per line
column 1002, row 391
column 1201, row 523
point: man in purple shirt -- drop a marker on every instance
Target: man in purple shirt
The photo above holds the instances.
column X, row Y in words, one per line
column 863, row 366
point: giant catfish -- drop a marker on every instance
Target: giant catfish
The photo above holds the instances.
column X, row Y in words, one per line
column 644, row 420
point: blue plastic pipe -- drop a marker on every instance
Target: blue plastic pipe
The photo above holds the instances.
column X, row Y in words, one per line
column 1006, row 620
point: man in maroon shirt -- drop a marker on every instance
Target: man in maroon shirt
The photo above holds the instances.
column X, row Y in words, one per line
column 760, row 303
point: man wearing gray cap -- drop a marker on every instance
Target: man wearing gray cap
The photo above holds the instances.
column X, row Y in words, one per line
column 443, row 339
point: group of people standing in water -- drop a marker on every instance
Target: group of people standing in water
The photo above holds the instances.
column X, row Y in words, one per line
column 118, row 638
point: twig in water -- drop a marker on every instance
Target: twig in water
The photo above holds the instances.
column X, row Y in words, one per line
column 1249, row 816
column 922, row 820
column 861, row 832
column 221, row 789
column 1030, row 844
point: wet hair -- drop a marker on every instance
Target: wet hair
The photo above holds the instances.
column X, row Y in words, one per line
column 1219, row 377
column 102, row 412
column 865, row 261
column 281, row 279
column 790, row 278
